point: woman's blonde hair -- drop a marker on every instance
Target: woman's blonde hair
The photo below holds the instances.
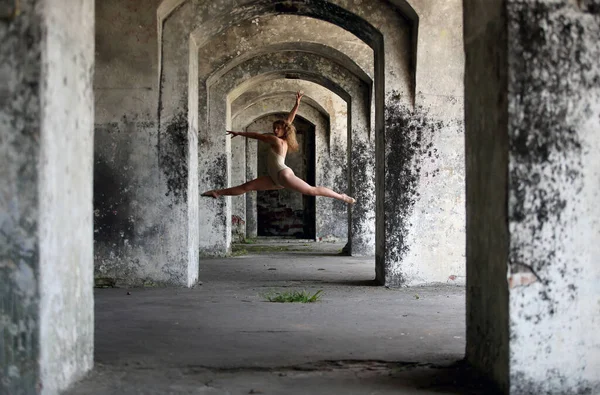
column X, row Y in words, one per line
column 289, row 134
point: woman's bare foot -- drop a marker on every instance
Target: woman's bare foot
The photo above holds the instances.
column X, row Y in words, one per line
column 348, row 199
column 212, row 194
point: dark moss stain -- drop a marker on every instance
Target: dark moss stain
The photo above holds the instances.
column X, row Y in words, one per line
column 408, row 136
column 19, row 231
column 362, row 166
column 554, row 383
column 173, row 160
column 117, row 184
column 556, row 55
column 589, row 6
column 217, row 171
column 112, row 202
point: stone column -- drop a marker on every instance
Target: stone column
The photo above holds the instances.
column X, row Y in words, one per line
column 251, row 174
column 46, row 234
column 533, row 235
column 238, row 176
column 361, row 180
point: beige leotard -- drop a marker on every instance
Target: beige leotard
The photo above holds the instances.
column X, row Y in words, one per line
column 275, row 163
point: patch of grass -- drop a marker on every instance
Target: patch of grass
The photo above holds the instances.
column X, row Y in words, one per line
column 249, row 241
column 293, row 297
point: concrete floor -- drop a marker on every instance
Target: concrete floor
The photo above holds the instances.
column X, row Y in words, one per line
column 222, row 337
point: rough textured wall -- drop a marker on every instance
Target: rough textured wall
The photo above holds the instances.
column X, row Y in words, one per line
column 20, row 77
column 46, row 223
column 424, row 163
column 486, row 122
column 554, row 140
column 533, row 329
column 421, row 228
column 135, row 183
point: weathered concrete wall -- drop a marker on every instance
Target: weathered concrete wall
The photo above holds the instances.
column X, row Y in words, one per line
column 422, row 165
column 554, row 119
column 544, row 108
column 46, row 130
column 20, row 124
column 137, row 181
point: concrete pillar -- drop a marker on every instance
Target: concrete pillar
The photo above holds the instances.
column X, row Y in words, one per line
column 46, row 241
column 533, row 235
column 361, row 176
column 214, row 155
column 251, row 174
column 238, row 176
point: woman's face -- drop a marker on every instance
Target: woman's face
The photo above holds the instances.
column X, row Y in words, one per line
column 278, row 130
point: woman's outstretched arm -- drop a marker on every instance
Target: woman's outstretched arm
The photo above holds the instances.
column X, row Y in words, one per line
column 292, row 114
column 267, row 138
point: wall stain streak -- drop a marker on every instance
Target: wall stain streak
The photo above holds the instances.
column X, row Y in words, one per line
column 544, row 132
column 409, row 135
column 173, row 157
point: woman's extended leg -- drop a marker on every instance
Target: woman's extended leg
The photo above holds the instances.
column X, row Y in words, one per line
column 263, row 183
column 288, row 179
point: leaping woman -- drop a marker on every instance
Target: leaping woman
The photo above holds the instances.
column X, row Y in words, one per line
column 280, row 176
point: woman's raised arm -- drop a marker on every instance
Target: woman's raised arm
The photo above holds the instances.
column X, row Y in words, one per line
column 292, row 114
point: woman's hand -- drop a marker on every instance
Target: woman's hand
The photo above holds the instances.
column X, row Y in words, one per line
column 299, row 95
column 233, row 134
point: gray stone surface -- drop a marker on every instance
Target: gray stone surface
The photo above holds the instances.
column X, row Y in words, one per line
column 543, row 115
column 141, row 190
column 20, row 124
column 553, row 211
column 162, row 339
column 46, row 129
column 339, row 377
